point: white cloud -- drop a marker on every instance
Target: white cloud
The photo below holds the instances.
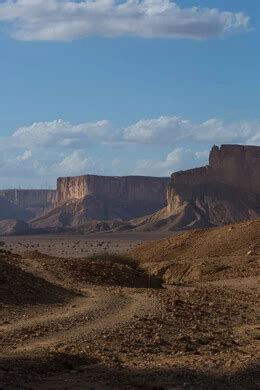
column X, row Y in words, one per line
column 66, row 20
column 43, row 151
column 172, row 130
column 61, row 133
column 75, row 163
column 178, row 159
column 27, row 155
column 163, row 130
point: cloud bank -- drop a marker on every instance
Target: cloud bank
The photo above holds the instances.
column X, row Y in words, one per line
column 67, row 20
column 61, row 133
column 179, row 159
column 40, row 152
column 170, row 130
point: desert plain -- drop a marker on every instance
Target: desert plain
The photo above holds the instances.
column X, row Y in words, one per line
column 126, row 311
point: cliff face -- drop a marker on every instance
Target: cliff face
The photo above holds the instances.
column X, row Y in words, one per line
column 27, row 204
column 236, row 165
column 109, row 188
column 227, row 190
column 106, row 197
column 84, row 198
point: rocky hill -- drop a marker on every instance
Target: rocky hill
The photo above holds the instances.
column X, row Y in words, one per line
column 225, row 191
column 85, row 198
column 225, row 252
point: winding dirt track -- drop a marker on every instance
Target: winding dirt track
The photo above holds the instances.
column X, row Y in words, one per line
column 93, row 336
column 95, row 309
column 80, row 318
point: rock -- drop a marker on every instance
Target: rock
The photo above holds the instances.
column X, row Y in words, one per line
column 107, row 188
column 230, row 178
column 236, row 165
column 225, row 191
column 105, row 198
column 10, row 227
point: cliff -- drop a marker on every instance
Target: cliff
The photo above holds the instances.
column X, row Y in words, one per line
column 234, row 165
column 111, row 188
column 237, row 165
column 26, row 204
column 225, row 191
column 90, row 197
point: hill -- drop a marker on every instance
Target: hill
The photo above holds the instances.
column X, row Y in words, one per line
column 232, row 251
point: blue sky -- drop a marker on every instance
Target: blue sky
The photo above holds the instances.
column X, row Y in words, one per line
column 144, row 89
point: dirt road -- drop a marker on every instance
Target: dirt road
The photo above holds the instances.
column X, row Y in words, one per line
column 60, row 329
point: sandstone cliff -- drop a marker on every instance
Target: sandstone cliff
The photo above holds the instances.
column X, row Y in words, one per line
column 234, row 165
column 84, row 198
column 237, row 165
column 111, row 188
column 25, row 204
column 225, row 191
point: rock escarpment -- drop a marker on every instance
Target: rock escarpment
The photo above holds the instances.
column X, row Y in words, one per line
column 90, row 197
column 25, row 204
column 234, row 165
column 150, row 190
column 225, row 191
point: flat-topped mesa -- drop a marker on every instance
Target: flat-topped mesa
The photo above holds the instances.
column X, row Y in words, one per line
column 234, row 165
column 110, row 197
column 128, row 188
column 232, row 168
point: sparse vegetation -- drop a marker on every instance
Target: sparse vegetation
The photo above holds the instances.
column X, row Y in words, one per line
column 123, row 259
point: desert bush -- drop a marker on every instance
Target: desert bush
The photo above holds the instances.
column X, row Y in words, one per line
column 123, row 259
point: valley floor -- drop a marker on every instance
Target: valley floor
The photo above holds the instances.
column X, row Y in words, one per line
column 61, row 330
column 79, row 245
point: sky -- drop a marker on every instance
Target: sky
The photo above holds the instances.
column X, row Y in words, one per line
column 130, row 87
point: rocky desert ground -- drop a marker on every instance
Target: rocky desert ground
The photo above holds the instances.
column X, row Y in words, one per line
column 131, row 312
